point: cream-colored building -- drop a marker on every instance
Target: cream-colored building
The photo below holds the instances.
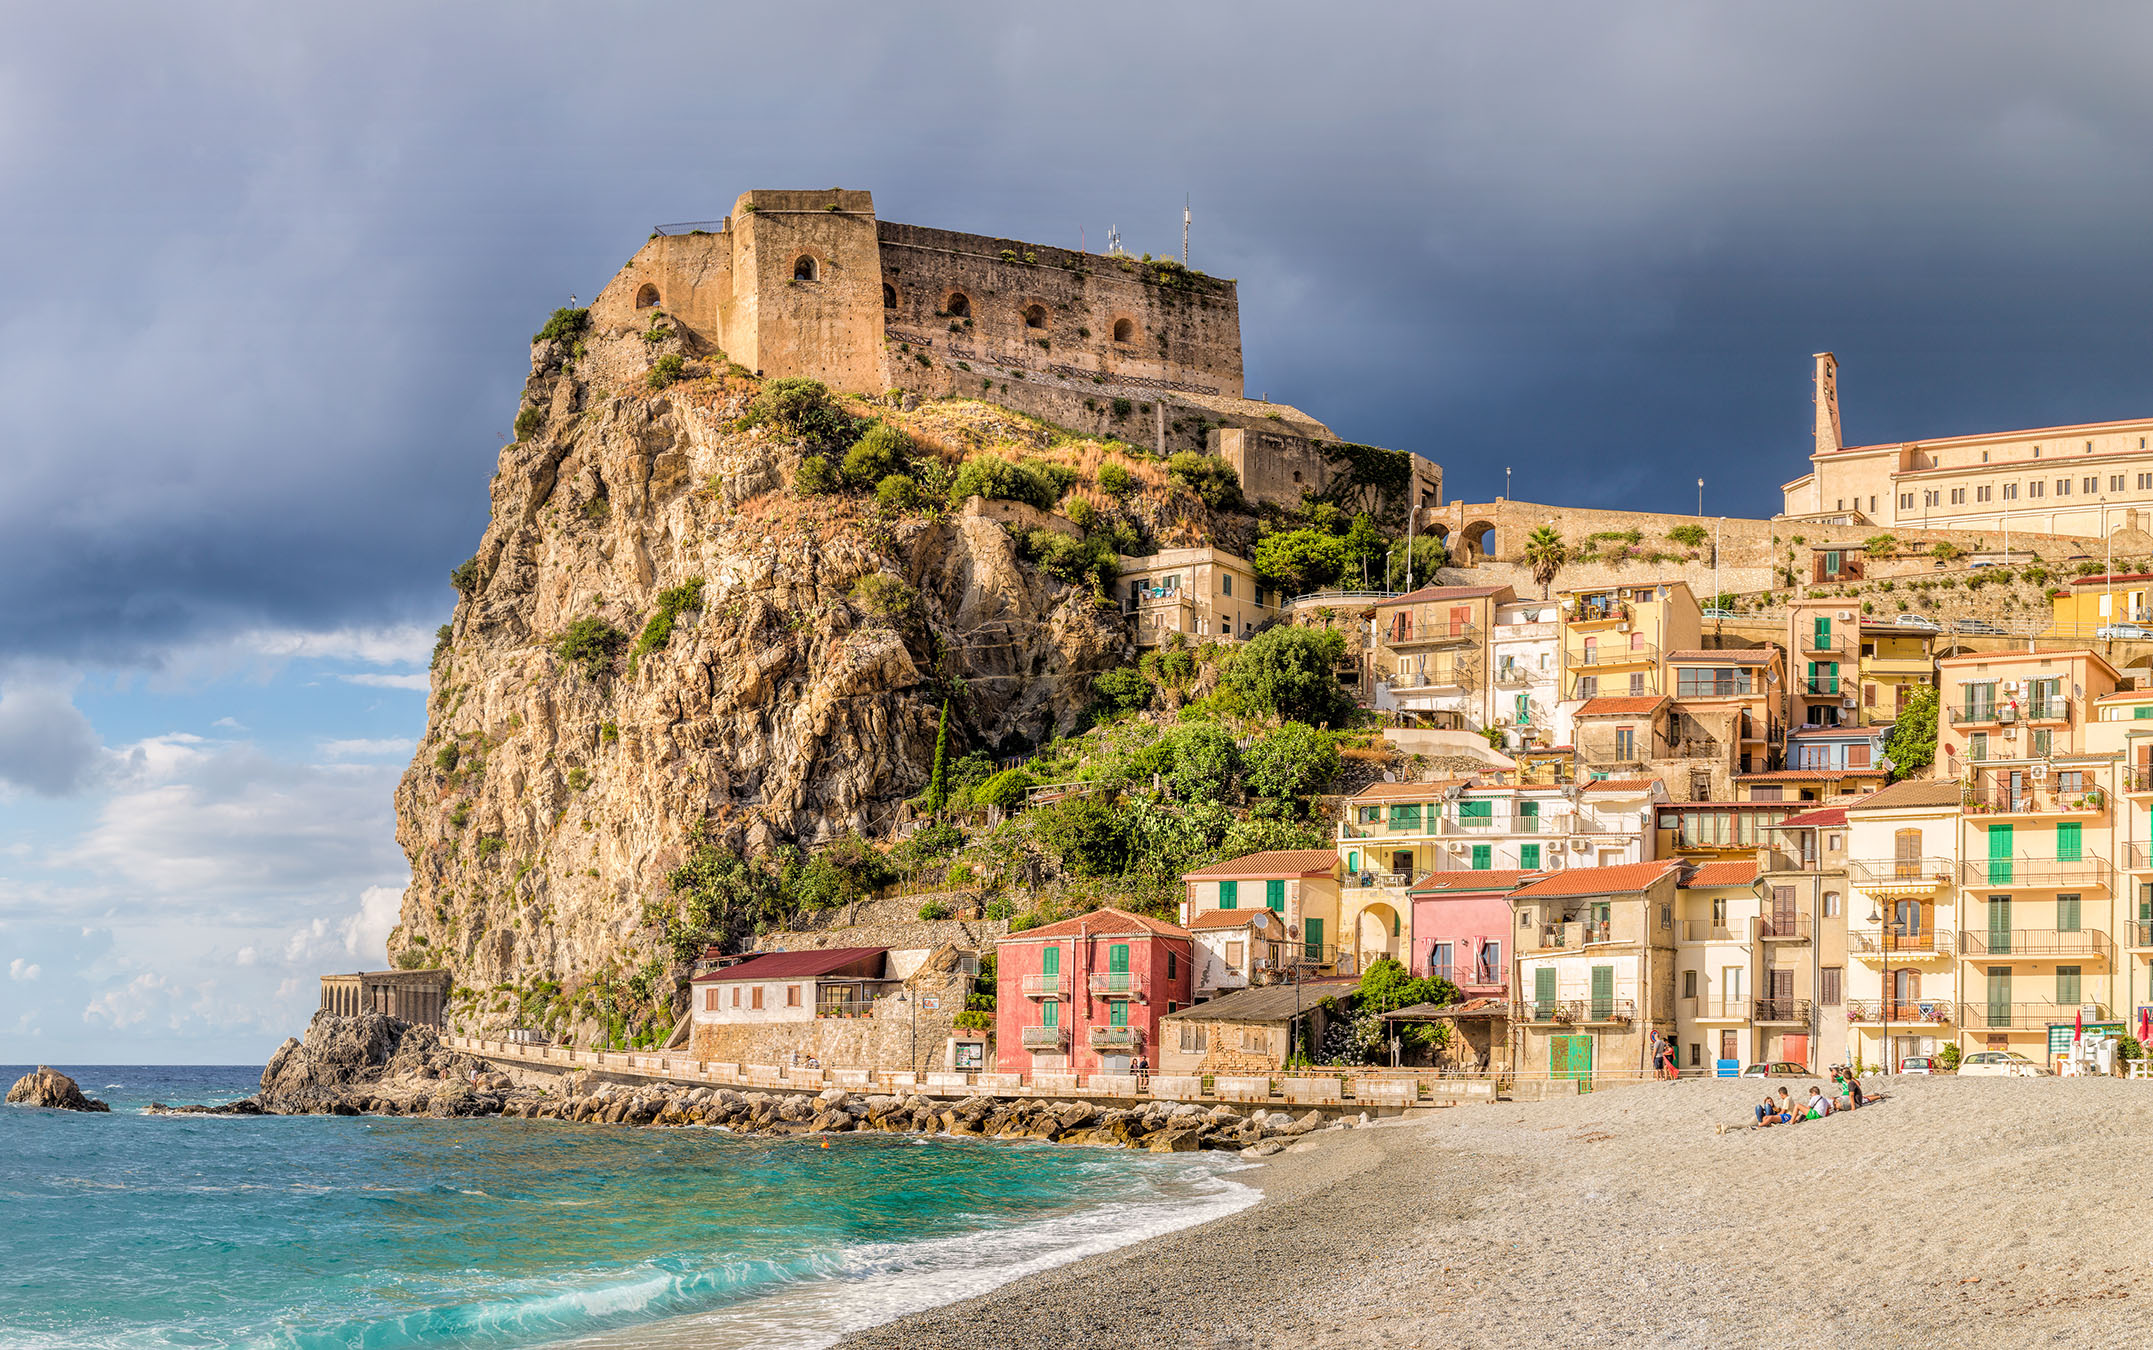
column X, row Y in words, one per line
column 1200, row 593
column 1595, row 970
column 1298, row 885
column 2090, row 479
column 1902, row 925
column 1428, row 654
column 1525, row 674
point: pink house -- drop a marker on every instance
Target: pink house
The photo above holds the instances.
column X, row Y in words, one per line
column 1086, row 994
column 1462, row 926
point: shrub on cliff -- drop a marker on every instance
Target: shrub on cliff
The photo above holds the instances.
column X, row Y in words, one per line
column 666, row 370
column 565, row 323
column 1115, row 481
column 1210, row 478
column 897, row 493
column 996, row 479
column 803, row 409
column 1075, row 562
column 1121, row 691
column 1290, row 765
column 881, row 451
column 816, row 477
column 884, row 596
column 528, row 421
column 1299, row 561
column 464, row 576
column 936, row 909
column 672, row 603
column 590, row 645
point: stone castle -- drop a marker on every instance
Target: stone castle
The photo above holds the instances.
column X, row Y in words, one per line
column 810, row 283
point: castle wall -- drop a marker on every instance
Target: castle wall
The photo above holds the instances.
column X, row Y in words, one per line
column 689, row 276
column 827, row 324
column 1173, row 326
column 1276, row 465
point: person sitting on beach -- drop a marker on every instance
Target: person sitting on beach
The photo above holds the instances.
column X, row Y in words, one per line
column 1786, row 1106
column 1850, row 1086
column 1820, row 1105
column 1768, row 1112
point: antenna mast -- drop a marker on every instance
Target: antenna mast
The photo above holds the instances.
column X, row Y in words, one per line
column 1185, row 231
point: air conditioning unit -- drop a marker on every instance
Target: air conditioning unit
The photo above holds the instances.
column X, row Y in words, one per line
column 2090, row 1011
column 1851, row 702
column 2040, row 771
column 1846, row 616
column 1579, row 845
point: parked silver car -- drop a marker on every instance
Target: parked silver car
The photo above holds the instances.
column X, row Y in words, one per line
column 2123, row 632
column 2001, row 1064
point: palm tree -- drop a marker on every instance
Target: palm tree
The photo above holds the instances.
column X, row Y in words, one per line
column 1545, row 553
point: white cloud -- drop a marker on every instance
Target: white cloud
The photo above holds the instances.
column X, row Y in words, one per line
column 407, row 645
column 417, row 683
column 369, row 749
column 229, row 724
column 19, row 969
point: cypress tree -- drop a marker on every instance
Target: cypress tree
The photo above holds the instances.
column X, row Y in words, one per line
column 938, row 781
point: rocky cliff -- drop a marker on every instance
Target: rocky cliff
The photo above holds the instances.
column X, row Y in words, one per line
column 795, row 698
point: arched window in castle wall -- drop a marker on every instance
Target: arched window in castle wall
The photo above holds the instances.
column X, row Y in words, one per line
column 889, row 296
column 803, row 268
column 1035, row 316
column 647, row 297
column 1124, row 330
column 959, row 306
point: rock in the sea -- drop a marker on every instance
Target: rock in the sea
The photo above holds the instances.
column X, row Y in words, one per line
column 51, row 1088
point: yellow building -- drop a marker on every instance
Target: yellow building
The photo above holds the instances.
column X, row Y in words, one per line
column 1201, row 593
column 2090, row 605
column 1428, row 654
column 1298, row 885
column 2039, row 891
column 1614, row 641
column 1902, row 922
column 2122, row 726
column 1895, row 661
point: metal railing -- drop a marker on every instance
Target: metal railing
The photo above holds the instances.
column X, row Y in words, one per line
column 1830, row 687
column 1515, row 675
column 1788, row 1010
column 1408, row 635
column 1716, row 1009
column 1704, row 930
column 2032, row 799
column 1980, row 714
column 2137, row 778
column 1571, row 935
column 1876, row 945
column 1368, row 878
column 1044, row 1038
column 1046, row 986
column 1784, row 928
column 2022, row 1016
column 2034, row 942
column 2140, row 933
column 1449, row 675
column 1585, row 1010
column 2038, row 873
column 1907, row 873
column 1835, row 641
column 1598, row 655
column 1116, row 1038
column 1932, row 1012
column 1116, row 982
column 1601, row 611
column 844, row 1007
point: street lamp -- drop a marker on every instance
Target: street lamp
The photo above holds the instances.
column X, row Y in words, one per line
column 1700, row 496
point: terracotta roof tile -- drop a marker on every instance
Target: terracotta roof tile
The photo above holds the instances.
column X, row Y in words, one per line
column 1741, row 656
column 2120, row 576
column 1620, row 784
column 1622, row 878
column 1441, row 593
column 1627, row 706
column 790, row 965
column 1102, row 923
column 1912, row 792
column 1279, row 862
column 1810, row 820
column 1807, row 775
column 1428, row 791
column 1488, row 880
column 1707, row 875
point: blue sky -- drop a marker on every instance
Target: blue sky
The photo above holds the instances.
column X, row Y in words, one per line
column 271, row 270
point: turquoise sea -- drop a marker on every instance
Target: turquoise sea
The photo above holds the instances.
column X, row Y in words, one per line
column 134, row 1230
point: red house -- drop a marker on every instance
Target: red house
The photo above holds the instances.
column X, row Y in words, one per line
column 1086, row 994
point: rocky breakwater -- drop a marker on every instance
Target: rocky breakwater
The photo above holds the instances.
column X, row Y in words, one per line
column 1159, row 1127
column 50, row 1088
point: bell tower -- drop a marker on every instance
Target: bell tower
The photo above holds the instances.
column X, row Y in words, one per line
column 1827, row 403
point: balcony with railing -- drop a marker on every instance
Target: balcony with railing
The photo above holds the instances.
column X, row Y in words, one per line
column 2050, row 710
column 1702, row 1009
column 1993, row 795
column 1783, row 1011
column 2036, row 873
column 1376, row 879
column 2136, row 779
column 1512, row 675
column 1044, row 1038
column 1569, row 936
column 1704, row 930
column 1117, row 983
column 1429, row 634
column 1613, row 654
column 1475, row 980
column 1046, row 986
column 2035, row 944
column 2137, row 857
column 2139, row 934
column 856, row 1006
column 1869, row 944
column 1912, row 1012
column 1116, row 1038
column 1600, row 609
column 1445, row 675
column 1834, row 641
column 1900, row 875
column 1583, row 1011
column 2022, row 1016
column 1829, row 686
column 1976, row 715
column 1783, row 928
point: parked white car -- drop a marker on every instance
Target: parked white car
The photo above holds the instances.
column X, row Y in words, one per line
column 1916, row 621
column 2123, row 632
column 2001, row 1064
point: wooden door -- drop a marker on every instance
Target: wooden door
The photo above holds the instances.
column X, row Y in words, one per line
column 1781, row 995
column 1783, row 910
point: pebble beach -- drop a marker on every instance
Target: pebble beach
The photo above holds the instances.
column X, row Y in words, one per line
column 1963, row 1212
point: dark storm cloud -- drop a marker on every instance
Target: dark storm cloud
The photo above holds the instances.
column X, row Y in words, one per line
column 270, row 269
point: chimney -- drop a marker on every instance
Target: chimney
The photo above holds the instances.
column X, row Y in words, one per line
column 1827, row 403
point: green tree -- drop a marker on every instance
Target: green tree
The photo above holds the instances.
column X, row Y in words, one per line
column 996, row 479
column 1545, row 554
column 1205, row 762
column 1427, row 555
column 1911, row 744
column 1121, row 691
column 1300, row 560
column 1387, row 987
column 1291, row 764
column 1006, row 790
column 938, row 779
column 1365, row 550
column 1085, row 835
column 881, row 451
column 1290, row 672
column 1210, row 478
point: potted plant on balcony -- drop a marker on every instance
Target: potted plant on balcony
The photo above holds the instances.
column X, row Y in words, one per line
column 1565, row 1014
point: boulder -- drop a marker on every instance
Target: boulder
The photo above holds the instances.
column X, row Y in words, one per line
column 54, row 1090
column 1174, row 1141
column 1264, row 1149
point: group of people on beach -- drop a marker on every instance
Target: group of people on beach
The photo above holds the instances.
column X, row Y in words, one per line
column 1781, row 1108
